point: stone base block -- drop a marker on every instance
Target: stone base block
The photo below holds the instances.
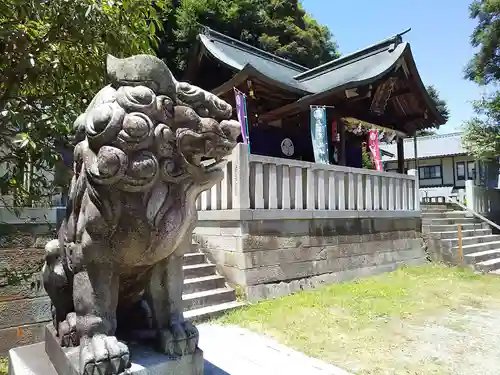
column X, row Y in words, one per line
column 49, row 358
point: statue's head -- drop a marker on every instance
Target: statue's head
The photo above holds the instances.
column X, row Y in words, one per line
column 146, row 128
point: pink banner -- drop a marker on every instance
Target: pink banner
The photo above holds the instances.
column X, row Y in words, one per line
column 374, row 149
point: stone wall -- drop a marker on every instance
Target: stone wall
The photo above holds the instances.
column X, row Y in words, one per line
column 277, row 256
column 24, row 305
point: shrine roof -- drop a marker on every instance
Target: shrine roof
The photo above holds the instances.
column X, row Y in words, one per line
column 354, row 70
column 350, row 70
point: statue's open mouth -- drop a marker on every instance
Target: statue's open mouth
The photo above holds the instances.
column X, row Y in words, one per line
column 204, row 151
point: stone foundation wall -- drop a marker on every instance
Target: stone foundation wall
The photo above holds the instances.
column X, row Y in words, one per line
column 274, row 257
column 24, row 305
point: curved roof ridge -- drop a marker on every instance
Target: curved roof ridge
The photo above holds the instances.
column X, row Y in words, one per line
column 210, row 33
column 389, row 43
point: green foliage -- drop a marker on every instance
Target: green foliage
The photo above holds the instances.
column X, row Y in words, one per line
column 4, row 366
column 366, row 162
column 481, row 136
column 281, row 27
column 484, row 67
column 52, row 56
column 441, row 105
column 482, row 133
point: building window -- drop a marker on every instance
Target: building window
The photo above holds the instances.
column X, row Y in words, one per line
column 471, row 170
column 460, row 171
column 430, row 172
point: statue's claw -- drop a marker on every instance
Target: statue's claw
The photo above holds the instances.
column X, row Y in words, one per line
column 104, row 355
column 67, row 331
column 178, row 339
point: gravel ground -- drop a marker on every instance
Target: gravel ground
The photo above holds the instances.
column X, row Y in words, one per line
column 462, row 342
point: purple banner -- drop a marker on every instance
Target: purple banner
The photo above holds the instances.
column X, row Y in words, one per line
column 241, row 111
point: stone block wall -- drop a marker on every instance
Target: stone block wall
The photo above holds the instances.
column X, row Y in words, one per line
column 24, row 306
column 275, row 257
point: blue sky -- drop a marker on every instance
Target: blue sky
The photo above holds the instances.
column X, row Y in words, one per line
column 439, row 39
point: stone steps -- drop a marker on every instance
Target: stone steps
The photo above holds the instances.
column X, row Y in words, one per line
column 447, row 220
column 200, row 284
column 191, row 259
column 488, row 265
column 199, row 270
column 444, row 214
column 472, row 240
column 480, row 248
column 477, row 247
column 481, row 256
column 213, row 311
column 198, row 300
column 206, row 293
column 465, row 233
column 454, row 227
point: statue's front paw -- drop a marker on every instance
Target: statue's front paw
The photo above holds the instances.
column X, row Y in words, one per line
column 67, row 331
column 178, row 339
column 104, row 355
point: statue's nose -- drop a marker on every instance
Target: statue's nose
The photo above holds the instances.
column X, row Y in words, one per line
column 231, row 129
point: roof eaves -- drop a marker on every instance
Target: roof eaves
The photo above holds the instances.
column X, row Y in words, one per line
column 433, row 136
column 384, row 45
column 250, row 71
column 212, row 34
column 212, row 50
column 430, row 156
column 428, row 100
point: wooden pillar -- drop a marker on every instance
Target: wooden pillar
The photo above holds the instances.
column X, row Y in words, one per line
column 401, row 155
column 341, row 131
column 416, row 158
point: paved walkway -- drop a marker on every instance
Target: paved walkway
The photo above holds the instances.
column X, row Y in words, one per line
column 230, row 350
column 227, row 350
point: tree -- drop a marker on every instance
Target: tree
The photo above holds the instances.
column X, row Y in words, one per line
column 441, row 106
column 482, row 133
column 484, row 67
column 481, row 136
column 281, row 27
column 52, row 56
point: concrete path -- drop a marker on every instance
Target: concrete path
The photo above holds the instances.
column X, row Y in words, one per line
column 230, row 350
column 227, row 350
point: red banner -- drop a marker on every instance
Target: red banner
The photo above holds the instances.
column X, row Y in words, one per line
column 374, row 149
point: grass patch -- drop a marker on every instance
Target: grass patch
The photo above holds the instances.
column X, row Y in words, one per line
column 358, row 325
column 4, row 366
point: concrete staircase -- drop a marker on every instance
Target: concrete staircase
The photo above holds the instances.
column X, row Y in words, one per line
column 206, row 293
column 481, row 248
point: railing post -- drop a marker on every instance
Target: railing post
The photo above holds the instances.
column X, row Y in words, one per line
column 414, row 173
column 469, row 195
column 241, row 176
column 311, row 189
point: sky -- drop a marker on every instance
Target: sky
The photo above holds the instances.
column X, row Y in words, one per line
column 439, row 40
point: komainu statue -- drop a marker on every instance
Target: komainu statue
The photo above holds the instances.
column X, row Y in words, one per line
column 147, row 147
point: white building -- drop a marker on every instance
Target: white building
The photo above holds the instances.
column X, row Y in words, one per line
column 443, row 163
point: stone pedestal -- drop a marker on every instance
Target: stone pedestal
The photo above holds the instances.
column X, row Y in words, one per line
column 49, row 358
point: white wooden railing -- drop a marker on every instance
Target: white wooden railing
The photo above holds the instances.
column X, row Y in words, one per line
column 481, row 199
column 261, row 182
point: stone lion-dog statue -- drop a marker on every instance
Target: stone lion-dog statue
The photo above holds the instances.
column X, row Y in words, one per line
column 142, row 158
